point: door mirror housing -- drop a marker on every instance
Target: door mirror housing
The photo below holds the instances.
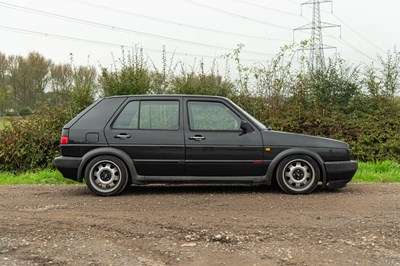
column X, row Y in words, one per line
column 246, row 127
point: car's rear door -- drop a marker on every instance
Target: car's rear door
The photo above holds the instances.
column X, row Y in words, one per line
column 215, row 144
column 150, row 131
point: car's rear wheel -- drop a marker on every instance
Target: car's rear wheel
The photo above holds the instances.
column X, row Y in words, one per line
column 106, row 175
column 298, row 174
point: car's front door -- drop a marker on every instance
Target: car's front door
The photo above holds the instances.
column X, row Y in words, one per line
column 214, row 143
column 150, row 131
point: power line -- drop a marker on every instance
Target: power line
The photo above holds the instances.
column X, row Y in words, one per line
column 120, row 29
column 359, row 34
column 292, row 1
column 108, row 44
column 268, row 8
column 180, row 24
column 69, row 38
column 349, row 45
column 236, row 15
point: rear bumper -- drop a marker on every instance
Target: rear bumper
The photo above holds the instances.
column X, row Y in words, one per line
column 68, row 166
column 338, row 174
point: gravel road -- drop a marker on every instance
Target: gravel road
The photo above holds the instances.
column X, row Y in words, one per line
column 199, row 225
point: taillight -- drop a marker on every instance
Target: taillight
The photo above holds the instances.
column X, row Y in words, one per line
column 64, row 136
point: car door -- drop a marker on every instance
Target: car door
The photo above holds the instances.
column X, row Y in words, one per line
column 150, row 131
column 214, row 143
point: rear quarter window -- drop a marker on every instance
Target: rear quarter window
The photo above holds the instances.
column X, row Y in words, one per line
column 99, row 115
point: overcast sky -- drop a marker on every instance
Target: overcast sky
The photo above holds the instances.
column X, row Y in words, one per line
column 94, row 30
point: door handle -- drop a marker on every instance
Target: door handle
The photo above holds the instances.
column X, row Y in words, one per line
column 197, row 138
column 122, row 136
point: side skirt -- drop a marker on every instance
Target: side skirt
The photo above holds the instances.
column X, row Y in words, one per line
column 254, row 180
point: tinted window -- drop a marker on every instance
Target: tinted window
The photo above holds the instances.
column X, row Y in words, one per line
column 212, row 116
column 128, row 118
column 159, row 115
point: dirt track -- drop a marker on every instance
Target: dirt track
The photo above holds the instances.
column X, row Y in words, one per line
column 202, row 225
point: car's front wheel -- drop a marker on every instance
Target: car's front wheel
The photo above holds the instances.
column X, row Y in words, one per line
column 298, row 174
column 106, row 175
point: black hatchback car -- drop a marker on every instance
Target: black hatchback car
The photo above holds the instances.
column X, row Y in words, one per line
column 144, row 139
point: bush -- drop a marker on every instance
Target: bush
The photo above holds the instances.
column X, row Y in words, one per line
column 32, row 143
column 202, row 85
column 25, row 111
column 133, row 76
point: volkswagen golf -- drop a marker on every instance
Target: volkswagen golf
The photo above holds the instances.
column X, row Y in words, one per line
column 145, row 139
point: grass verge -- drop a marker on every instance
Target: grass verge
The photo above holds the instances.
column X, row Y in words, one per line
column 368, row 172
column 39, row 177
column 378, row 172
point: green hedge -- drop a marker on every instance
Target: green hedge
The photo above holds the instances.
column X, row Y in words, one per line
column 373, row 134
column 32, row 143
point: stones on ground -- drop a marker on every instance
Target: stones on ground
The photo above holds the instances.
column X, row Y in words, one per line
column 191, row 244
column 217, row 237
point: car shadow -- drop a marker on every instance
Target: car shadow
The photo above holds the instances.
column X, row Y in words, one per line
column 181, row 189
column 198, row 189
column 213, row 189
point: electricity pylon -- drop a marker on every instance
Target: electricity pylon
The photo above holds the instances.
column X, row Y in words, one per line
column 317, row 46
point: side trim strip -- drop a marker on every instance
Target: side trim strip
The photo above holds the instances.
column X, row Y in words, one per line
column 223, row 161
column 157, row 161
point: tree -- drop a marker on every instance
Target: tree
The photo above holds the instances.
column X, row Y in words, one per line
column 3, row 70
column 84, row 87
column 61, row 77
column 28, row 77
column 4, row 88
column 390, row 72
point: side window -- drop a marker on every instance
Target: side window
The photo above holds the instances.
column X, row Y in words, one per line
column 159, row 115
column 128, row 118
column 212, row 116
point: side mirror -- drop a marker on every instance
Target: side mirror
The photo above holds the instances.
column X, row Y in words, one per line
column 246, row 127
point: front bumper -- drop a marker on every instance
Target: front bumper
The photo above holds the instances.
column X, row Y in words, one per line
column 68, row 166
column 338, row 174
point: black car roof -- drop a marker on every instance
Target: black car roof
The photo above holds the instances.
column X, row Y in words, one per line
column 166, row 95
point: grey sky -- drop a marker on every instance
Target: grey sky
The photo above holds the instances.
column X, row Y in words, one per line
column 210, row 28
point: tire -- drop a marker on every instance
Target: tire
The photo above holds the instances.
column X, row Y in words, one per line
column 106, row 175
column 298, row 174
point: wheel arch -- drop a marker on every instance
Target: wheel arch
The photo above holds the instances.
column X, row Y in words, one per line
column 132, row 174
column 275, row 162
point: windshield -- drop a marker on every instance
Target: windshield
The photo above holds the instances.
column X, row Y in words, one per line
column 249, row 116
